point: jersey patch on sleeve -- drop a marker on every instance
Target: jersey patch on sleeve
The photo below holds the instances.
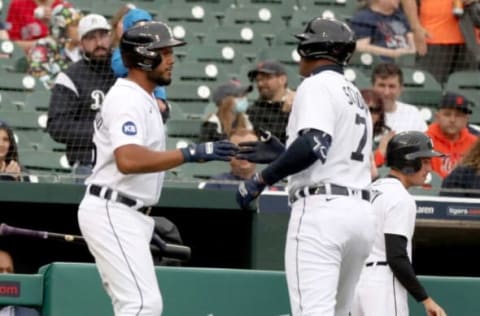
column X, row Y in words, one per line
column 129, row 128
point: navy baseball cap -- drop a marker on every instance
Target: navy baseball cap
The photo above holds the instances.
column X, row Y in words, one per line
column 232, row 88
column 452, row 100
column 133, row 16
column 268, row 67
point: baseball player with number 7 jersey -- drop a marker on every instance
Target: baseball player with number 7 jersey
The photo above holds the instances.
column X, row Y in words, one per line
column 329, row 145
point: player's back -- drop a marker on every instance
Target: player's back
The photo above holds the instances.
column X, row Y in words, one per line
column 327, row 101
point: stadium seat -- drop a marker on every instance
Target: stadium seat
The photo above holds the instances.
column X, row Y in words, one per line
column 225, row 55
column 27, row 120
column 189, row 128
column 340, row 10
column 37, row 100
column 253, row 15
column 420, row 88
column 467, row 83
column 284, row 8
column 191, row 98
column 44, row 160
column 285, row 36
column 364, row 61
column 198, row 12
column 358, row 77
column 287, row 55
column 10, row 55
column 190, row 71
column 241, row 38
column 215, row 8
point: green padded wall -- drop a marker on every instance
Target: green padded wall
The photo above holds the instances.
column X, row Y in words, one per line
column 75, row 290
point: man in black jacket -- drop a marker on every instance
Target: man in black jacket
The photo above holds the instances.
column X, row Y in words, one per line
column 78, row 94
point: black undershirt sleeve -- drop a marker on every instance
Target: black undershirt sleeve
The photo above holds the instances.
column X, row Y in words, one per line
column 397, row 258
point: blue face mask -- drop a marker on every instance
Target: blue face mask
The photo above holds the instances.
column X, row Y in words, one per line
column 241, row 105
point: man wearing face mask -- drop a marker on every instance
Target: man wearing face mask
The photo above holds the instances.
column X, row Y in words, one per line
column 232, row 104
column 78, row 94
column 270, row 111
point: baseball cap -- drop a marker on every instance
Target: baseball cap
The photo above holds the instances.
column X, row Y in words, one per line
column 268, row 67
column 452, row 100
column 232, row 88
column 133, row 16
column 92, row 22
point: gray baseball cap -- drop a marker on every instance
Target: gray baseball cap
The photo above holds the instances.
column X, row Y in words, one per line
column 268, row 67
column 232, row 88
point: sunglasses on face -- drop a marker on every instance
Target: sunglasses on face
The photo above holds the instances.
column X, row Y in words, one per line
column 374, row 110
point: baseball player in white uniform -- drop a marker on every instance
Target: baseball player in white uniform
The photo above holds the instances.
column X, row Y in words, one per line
column 127, row 178
column 388, row 275
column 329, row 145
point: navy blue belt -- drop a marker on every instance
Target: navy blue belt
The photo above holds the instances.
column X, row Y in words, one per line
column 120, row 198
column 330, row 189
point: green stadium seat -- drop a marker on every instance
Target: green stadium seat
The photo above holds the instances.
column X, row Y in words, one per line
column 252, row 15
column 214, row 8
column 364, row 61
column 340, row 10
column 189, row 71
column 420, row 88
column 285, row 36
column 37, row 100
column 467, row 83
column 197, row 13
column 11, row 54
column 358, row 77
column 190, row 97
column 285, row 54
column 184, row 128
column 28, row 120
column 44, row 160
column 225, row 55
column 242, row 38
column 284, row 8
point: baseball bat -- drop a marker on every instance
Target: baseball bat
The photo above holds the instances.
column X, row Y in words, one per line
column 165, row 249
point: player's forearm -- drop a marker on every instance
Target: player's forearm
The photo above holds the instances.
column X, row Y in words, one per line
column 399, row 263
column 138, row 159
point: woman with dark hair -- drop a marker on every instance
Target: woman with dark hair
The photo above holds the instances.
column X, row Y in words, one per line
column 464, row 180
column 10, row 168
column 381, row 132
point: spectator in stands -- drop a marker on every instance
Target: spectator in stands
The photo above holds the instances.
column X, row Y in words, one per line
column 381, row 132
column 28, row 20
column 449, row 132
column 270, row 112
column 382, row 29
column 232, row 103
column 3, row 28
column 6, row 266
column 387, row 81
column 464, row 179
column 239, row 169
column 132, row 18
column 78, row 94
column 55, row 53
column 438, row 37
column 117, row 23
column 10, row 168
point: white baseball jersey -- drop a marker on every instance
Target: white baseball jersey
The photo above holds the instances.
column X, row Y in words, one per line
column 329, row 236
column 405, row 118
column 122, row 122
column 338, row 109
column 118, row 236
column 378, row 292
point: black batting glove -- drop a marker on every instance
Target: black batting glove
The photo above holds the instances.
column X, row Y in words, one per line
column 264, row 151
column 220, row 150
column 249, row 190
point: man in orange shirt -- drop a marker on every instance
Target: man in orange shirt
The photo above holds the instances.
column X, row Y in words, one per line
column 438, row 38
column 449, row 132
